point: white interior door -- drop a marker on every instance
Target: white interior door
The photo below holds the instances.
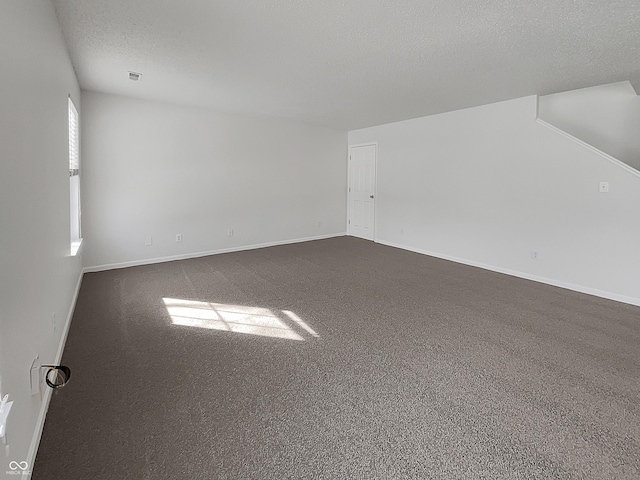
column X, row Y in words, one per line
column 362, row 186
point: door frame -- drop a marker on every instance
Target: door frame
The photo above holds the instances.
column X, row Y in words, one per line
column 375, row 186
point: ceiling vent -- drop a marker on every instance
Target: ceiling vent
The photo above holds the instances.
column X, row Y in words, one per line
column 134, row 76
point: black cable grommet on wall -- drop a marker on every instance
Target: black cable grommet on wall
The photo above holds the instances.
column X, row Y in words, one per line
column 57, row 376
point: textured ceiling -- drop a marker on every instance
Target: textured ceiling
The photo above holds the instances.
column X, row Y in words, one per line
column 349, row 63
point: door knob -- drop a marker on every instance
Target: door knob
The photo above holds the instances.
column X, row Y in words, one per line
column 370, row 196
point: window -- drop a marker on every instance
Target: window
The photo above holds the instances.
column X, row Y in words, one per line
column 74, row 177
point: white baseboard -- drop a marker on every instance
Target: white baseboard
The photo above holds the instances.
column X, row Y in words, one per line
column 239, row 248
column 44, row 407
column 527, row 276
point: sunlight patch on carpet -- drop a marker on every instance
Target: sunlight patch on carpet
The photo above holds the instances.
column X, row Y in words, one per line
column 300, row 322
column 233, row 318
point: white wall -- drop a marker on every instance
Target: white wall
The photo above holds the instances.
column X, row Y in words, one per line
column 153, row 169
column 488, row 185
column 37, row 276
column 606, row 116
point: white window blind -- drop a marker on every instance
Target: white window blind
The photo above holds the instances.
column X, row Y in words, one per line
column 74, row 140
column 74, row 177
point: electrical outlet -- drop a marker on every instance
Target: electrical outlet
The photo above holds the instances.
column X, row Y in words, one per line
column 534, row 255
column 603, row 187
column 319, row 223
column 230, row 232
column 178, row 238
column 148, row 241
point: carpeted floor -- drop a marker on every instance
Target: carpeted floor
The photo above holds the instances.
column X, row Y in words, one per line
column 342, row 359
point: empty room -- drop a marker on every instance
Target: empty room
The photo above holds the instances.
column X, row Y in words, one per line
column 269, row 239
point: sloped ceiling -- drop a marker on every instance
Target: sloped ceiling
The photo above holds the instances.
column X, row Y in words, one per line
column 348, row 64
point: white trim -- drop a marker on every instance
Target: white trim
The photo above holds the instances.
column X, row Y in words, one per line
column 375, row 187
column 606, row 156
column 44, row 407
column 347, row 220
column 527, row 276
column 368, row 144
column 240, row 248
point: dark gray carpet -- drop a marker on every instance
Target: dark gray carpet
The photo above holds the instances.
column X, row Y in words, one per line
column 422, row 368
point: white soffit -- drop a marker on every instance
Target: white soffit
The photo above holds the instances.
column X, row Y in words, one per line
column 349, row 64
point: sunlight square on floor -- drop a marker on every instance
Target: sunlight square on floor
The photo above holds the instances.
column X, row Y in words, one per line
column 234, row 318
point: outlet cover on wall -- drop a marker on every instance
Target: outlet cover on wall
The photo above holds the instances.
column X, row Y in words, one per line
column 230, row 232
column 148, row 240
column 603, row 187
column 178, row 238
